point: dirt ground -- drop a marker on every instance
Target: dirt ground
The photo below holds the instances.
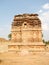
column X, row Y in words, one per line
column 34, row 58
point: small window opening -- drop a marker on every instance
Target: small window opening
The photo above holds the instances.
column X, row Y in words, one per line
column 25, row 24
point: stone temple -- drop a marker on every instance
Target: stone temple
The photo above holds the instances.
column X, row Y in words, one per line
column 26, row 33
column 25, row 46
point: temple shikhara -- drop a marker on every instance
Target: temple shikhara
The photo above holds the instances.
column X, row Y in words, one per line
column 26, row 28
column 26, row 33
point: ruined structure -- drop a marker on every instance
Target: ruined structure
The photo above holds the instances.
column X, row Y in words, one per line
column 26, row 28
column 26, row 33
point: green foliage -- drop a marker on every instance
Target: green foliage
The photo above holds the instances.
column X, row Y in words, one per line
column 43, row 41
column 46, row 42
column 9, row 36
column 42, row 35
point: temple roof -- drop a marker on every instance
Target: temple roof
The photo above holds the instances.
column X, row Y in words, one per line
column 29, row 18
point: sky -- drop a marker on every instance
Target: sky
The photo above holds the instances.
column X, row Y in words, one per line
column 9, row 8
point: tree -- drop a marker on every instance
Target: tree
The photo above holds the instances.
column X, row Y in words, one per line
column 46, row 42
column 43, row 41
column 9, row 36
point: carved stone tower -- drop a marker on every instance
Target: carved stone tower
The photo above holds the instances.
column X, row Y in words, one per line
column 26, row 30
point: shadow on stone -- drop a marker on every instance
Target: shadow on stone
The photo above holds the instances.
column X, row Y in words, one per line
column 1, row 61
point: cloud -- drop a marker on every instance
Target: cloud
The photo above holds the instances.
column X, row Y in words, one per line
column 45, row 20
column 45, row 6
column 45, row 27
column 40, row 11
column 44, row 16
